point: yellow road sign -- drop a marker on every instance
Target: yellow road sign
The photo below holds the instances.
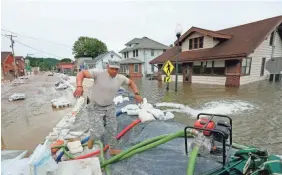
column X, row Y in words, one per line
column 168, row 67
column 167, row 79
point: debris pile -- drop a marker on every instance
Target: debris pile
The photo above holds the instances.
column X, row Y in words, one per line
column 60, row 103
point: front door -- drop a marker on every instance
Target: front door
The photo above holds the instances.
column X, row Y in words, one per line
column 187, row 76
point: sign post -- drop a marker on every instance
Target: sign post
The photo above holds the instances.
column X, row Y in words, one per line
column 167, row 68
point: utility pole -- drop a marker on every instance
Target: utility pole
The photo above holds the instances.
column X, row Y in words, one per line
column 13, row 53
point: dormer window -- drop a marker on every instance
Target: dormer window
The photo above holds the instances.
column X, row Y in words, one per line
column 196, row 43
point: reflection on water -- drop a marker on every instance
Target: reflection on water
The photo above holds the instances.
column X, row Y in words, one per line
column 256, row 109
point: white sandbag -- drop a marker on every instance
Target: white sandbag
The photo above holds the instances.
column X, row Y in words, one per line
column 41, row 161
column 168, row 115
column 69, row 136
column 64, row 132
column 125, row 99
column 76, row 133
column 17, row 96
column 118, row 99
column 132, row 112
column 158, row 114
column 131, row 107
column 75, row 147
column 145, row 116
column 88, row 166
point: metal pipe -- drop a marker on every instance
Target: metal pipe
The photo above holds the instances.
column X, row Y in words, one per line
column 176, row 70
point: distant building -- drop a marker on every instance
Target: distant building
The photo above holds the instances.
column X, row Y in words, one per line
column 65, row 68
column 7, row 64
column 101, row 61
column 20, row 62
column 230, row 57
column 145, row 50
column 131, row 67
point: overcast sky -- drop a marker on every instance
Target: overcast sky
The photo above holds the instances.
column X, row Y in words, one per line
column 61, row 22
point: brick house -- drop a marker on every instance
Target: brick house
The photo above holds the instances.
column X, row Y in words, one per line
column 66, row 67
column 231, row 57
column 20, row 65
column 7, row 63
column 131, row 67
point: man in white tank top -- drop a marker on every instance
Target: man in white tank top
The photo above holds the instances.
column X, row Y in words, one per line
column 101, row 110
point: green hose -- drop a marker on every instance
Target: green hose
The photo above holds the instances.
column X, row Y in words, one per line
column 192, row 160
column 102, row 157
column 67, row 153
column 151, row 143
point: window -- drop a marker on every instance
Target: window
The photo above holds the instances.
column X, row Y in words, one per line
column 152, row 68
column 209, row 68
column 164, row 50
column 271, row 38
column 152, row 52
column 246, row 66
column 262, row 67
column 126, row 54
column 136, row 68
column 104, row 65
column 136, row 52
column 133, row 53
column 123, row 68
column 112, row 56
column 196, row 43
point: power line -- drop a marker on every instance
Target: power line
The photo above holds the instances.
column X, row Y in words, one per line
column 67, row 46
column 33, row 47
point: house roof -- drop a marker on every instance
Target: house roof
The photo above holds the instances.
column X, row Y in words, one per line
column 143, row 43
column 99, row 57
column 206, row 32
column 19, row 57
column 131, row 61
column 244, row 40
column 4, row 55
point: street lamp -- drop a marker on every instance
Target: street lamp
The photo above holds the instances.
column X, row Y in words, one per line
column 178, row 31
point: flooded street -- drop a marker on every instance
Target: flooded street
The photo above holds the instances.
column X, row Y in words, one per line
column 26, row 123
column 256, row 110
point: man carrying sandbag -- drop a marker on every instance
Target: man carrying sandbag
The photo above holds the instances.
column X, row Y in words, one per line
column 101, row 106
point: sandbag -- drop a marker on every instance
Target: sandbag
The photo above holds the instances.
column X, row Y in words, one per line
column 144, row 116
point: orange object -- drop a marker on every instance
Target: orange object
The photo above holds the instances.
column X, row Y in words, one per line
column 57, row 143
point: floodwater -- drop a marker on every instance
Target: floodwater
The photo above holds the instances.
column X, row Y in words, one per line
column 256, row 109
column 26, row 123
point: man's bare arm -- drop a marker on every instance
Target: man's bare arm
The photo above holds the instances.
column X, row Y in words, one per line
column 81, row 75
column 133, row 86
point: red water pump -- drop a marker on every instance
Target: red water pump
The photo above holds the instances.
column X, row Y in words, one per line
column 219, row 132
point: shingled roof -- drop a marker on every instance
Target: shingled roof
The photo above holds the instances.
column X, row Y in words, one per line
column 144, row 43
column 237, row 42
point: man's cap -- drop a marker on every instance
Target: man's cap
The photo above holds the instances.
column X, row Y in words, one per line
column 114, row 63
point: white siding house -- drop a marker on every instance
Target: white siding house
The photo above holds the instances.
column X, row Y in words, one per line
column 264, row 50
column 145, row 50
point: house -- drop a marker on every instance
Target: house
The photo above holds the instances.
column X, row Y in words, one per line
column 20, row 62
column 145, row 50
column 101, row 61
column 131, row 67
column 65, row 67
column 7, row 64
column 230, row 57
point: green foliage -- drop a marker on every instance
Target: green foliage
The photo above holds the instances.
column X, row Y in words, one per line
column 88, row 47
column 66, row 60
column 44, row 63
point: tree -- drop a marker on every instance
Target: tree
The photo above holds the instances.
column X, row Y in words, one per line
column 66, row 60
column 171, row 45
column 88, row 47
